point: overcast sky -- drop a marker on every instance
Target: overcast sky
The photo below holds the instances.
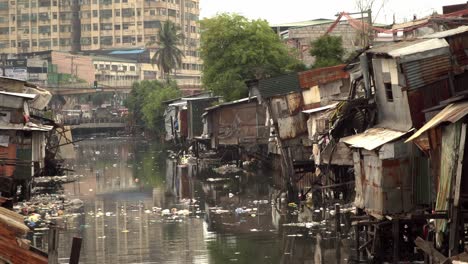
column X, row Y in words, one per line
column 281, row 11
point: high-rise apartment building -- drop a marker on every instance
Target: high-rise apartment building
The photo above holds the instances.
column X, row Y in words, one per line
column 75, row 25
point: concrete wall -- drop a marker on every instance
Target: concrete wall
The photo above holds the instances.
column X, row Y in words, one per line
column 300, row 38
column 80, row 66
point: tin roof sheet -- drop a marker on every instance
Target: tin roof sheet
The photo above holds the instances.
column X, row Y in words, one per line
column 451, row 113
column 373, row 138
column 447, row 33
column 240, row 101
column 22, row 95
column 27, row 127
column 319, row 109
column 404, row 48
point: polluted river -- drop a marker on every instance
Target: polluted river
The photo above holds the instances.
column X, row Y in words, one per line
column 139, row 205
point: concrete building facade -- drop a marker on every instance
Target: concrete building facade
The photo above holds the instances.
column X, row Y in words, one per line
column 80, row 25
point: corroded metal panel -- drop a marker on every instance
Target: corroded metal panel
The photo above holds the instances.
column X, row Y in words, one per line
column 315, row 77
column 426, row 71
column 292, row 126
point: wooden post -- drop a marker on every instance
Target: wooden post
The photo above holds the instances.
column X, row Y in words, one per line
column 456, row 219
column 75, row 251
column 358, row 253
column 338, row 233
column 53, row 241
column 396, row 240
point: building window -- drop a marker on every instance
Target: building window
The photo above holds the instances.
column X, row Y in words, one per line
column 117, row 39
column 388, row 92
column 95, row 26
column 117, row 27
column 132, row 68
column 117, row 13
column 152, row 12
column 95, row 13
column 95, row 40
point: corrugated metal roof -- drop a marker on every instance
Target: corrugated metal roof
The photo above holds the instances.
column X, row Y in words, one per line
column 373, row 138
column 120, row 52
column 319, row 109
column 451, row 113
column 447, row 33
column 414, row 50
column 240, row 101
column 314, row 22
column 280, row 85
column 22, row 95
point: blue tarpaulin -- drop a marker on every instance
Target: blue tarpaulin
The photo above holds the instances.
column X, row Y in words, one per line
column 136, row 51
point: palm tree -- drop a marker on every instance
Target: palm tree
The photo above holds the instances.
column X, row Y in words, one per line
column 168, row 56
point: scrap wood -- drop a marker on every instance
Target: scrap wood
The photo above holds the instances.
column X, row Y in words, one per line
column 429, row 249
column 13, row 221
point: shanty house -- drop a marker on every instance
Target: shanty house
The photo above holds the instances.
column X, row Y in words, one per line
column 22, row 143
column 324, row 86
column 283, row 98
column 241, row 122
column 444, row 139
column 182, row 116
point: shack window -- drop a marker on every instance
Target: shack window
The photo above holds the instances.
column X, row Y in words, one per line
column 388, row 92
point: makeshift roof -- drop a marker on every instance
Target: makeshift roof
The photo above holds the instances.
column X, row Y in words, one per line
column 240, row 101
column 413, row 50
column 112, row 59
column 280, row 85
column 373, row 138
column 189, row 96
column 313, row 22
column 22, row 95
column 319, row 109
column 27, row 127
column 447, row 33
column 121, row 52
column 451, row 113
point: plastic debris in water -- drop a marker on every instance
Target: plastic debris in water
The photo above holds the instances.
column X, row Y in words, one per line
column 231, row 195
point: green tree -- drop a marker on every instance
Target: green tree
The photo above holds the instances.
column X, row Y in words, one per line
column 168, row 55
column 235, row 49
column 328, row 51
column 145, row 102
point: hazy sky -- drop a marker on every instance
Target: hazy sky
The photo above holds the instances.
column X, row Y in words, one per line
column 280, row 11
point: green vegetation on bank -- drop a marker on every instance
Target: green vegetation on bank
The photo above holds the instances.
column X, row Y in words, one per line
column 328, row 51
column 145, row 102
column 235, row 49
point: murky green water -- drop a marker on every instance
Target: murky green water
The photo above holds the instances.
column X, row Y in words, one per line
column 127, row 183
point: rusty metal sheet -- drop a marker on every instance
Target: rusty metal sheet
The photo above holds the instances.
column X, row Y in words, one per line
column 451, row 113
column 315, row 77
column 294, row 103
column 292, row 126
column 373, row 138
column 422, row 72
column 382, row 186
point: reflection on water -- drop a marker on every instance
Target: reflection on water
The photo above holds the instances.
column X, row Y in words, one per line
column 141, row 208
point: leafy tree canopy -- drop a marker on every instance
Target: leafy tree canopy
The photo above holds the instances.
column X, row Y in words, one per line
column 328, row 51
column 145, row 102
column 235, row 49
